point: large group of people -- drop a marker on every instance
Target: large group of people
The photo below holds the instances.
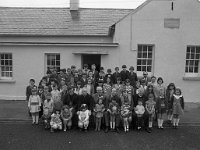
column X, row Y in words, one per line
column 86, row 98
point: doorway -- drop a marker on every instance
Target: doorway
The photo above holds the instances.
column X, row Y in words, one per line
column 91, row 59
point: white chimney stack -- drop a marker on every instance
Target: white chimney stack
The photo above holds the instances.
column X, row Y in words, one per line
column 74, row 4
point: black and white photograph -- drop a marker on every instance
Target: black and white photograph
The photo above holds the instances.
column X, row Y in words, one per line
column 99, row 74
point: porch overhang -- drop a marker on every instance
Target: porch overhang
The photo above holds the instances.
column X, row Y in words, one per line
column 94, row 52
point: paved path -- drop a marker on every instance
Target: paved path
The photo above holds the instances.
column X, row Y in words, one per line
column 29, row 137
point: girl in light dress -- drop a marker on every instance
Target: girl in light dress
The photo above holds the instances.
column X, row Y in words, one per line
column 83, row 117
column 34, row 105
column 177, row 106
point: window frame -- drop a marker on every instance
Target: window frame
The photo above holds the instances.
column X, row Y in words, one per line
column 140, row 73
column 187, row 65
column 10, row 72
column 46, row 61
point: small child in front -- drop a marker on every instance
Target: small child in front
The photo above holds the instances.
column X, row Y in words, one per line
column 139, row 110
column 83, row 116
column 34, row 104
column 56, row 122
column 66, row 115
column 126, row 114
column 114, row 111
column 177, row 105
column 150, row 107
column 99, row 109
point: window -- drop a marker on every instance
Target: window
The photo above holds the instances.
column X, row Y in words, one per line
column 192, row 60
column 53, row 60
column 144, row 58
column 6, row 68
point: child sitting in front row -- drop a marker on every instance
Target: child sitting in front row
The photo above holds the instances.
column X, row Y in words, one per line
column 56, row 122
column 99, row 109
column 83, row 116
column 139, row 110
column 66, row 115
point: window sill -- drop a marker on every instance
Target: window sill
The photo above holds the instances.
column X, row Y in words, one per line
column 191, row 78
column 7, row 81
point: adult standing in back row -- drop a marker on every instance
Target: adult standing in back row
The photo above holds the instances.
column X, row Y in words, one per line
column 124, row 73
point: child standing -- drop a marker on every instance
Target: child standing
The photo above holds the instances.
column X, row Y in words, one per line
column 90, row 87
column 161, row 108
column 177, row 104
column 34, row 104
column 56, row 122
column 66, row 115
column 47, row 110
column 150, row 107
column 139, row 110
column 126, row 114
column 83, row 116
column 169, row 93
column 114, row 111
column 99, row 109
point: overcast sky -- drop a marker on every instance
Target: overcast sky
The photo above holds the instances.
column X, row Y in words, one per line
column 65, row 3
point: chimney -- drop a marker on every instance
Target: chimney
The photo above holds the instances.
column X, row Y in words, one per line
column 74, row 5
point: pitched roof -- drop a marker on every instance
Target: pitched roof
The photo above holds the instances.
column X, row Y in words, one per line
column 58, row 21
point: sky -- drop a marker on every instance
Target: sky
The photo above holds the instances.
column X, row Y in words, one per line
column 127, row 4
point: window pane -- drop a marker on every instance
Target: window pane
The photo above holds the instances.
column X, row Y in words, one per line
column 196, row 69
column 186, row 69
column 188, row 56
column 139, row 68
column 144, row 54
column 148, row 68
column 192, row 49
column 149, row 62
column 196, row 63
column 145, row 49
column 6, row 62
column 187, row 62
column 139, row 48
column 198, row 50
column 143, row 62
column 6, row 56
column 188, row 49
column 53, row 62
column 191, row 63
column 139, row 55
column 2, row 62
column 143, row 68
column 197, row 56
column 150, row 48
column 190, row 69
column 57, row 63
column 139, row 62
column 57, row 57
column 192, row 55
column 149, row 54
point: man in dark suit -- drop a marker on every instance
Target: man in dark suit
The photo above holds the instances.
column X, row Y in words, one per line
column 132, row 77
column 124, row 73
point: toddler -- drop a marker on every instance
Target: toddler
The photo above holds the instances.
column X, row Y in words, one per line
column 139, row 110
column 56, row 122
column 66, row 115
